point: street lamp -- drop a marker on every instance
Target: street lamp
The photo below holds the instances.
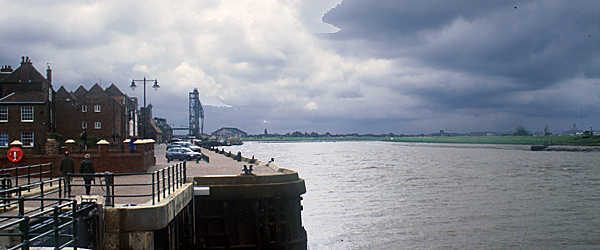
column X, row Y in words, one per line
column 155, row 86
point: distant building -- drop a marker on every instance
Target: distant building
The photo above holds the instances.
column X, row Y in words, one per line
column 26, row 110
column 229, row 132
column 104, row 113
column 167, row 131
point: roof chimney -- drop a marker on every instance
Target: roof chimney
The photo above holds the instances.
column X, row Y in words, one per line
column 49, row 74
column 6, row 69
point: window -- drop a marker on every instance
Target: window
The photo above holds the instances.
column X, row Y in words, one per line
column 83, row 108
column 84, row 125
column 27, row 139
column 3, row 113
column 3, row 139
column 98, row 125
column 97, row 108
column 27, row 113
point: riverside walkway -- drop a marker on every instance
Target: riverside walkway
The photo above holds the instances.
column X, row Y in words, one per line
column 218, row 165
column 197, row 204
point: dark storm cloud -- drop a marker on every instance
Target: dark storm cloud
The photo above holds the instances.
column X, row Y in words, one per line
column 511, row 53
column 539, row 42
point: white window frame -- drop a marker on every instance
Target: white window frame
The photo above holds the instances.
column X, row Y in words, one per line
column 97, row 108
column 4, row 112
column 84, row 124
column 83, row 108
column 23, row 140
column 97, row 125
column 24, row 113
column 3, row 135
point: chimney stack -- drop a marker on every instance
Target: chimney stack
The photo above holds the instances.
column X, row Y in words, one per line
column 49, row 74
column 6, row 69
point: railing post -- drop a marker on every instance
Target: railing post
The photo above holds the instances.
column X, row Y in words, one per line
column 40, row 174
column 163, row 183
column 21, row 205
column 108, row 182
column 173, row 177
column 42, row 196
column 68, row 185
column 28, row 178
column 17, row 177
column 158, row 184
column 184, row 173
column 176, row 172
column 74, row 224
column 56, row 223
column 51, row 172
column 24, row 227
column 60, row 194
column 153, row 201
column 169, row 179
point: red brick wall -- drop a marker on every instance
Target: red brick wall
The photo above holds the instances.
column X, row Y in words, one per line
column 104, row 160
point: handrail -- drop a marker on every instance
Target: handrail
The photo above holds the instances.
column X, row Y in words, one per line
column 163, row 181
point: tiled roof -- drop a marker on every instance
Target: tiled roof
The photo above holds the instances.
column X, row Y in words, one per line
column 113, row 90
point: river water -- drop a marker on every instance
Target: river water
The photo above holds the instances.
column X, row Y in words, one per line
column 385, row 195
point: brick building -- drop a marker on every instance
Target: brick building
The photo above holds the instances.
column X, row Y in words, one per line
column 26, row 110
column 104, row 113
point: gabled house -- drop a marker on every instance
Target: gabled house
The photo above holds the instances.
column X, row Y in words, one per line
column 26, row 106
column 103, row 113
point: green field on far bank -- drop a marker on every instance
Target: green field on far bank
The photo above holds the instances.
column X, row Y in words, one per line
column 524, row 140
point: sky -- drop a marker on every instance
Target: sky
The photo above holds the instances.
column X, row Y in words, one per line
column 351, row 66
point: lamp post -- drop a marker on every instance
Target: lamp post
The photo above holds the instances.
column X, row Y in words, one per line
column 155, row 86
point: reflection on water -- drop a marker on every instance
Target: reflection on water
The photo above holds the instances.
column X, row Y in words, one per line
column 380, row 195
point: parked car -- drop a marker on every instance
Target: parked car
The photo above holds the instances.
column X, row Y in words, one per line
column 187, row 145
column 182, row 154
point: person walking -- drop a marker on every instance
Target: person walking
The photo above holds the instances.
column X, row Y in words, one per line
column 87, row 167
column 67, row 167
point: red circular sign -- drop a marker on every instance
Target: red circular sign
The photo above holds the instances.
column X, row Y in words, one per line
column 15, row 154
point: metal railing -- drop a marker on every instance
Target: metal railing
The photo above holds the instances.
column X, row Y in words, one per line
column 10, row 176
column 163, row 182
column 48, row 224
column 7, row 200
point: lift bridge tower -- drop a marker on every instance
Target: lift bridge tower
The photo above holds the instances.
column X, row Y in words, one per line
column 196, row 126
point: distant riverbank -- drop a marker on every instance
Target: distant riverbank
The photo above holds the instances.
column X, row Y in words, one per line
column 521, row 140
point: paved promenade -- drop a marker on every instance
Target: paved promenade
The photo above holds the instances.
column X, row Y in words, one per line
column 218, row 165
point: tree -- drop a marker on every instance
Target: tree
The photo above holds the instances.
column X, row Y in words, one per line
column 521, row 131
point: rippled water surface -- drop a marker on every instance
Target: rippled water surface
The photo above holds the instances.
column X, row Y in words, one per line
column 381, row 195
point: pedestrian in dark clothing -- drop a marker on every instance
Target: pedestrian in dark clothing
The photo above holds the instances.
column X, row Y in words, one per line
column 87, row 167
column 67, row 167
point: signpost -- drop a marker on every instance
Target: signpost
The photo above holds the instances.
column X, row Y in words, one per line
column 15, row 154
